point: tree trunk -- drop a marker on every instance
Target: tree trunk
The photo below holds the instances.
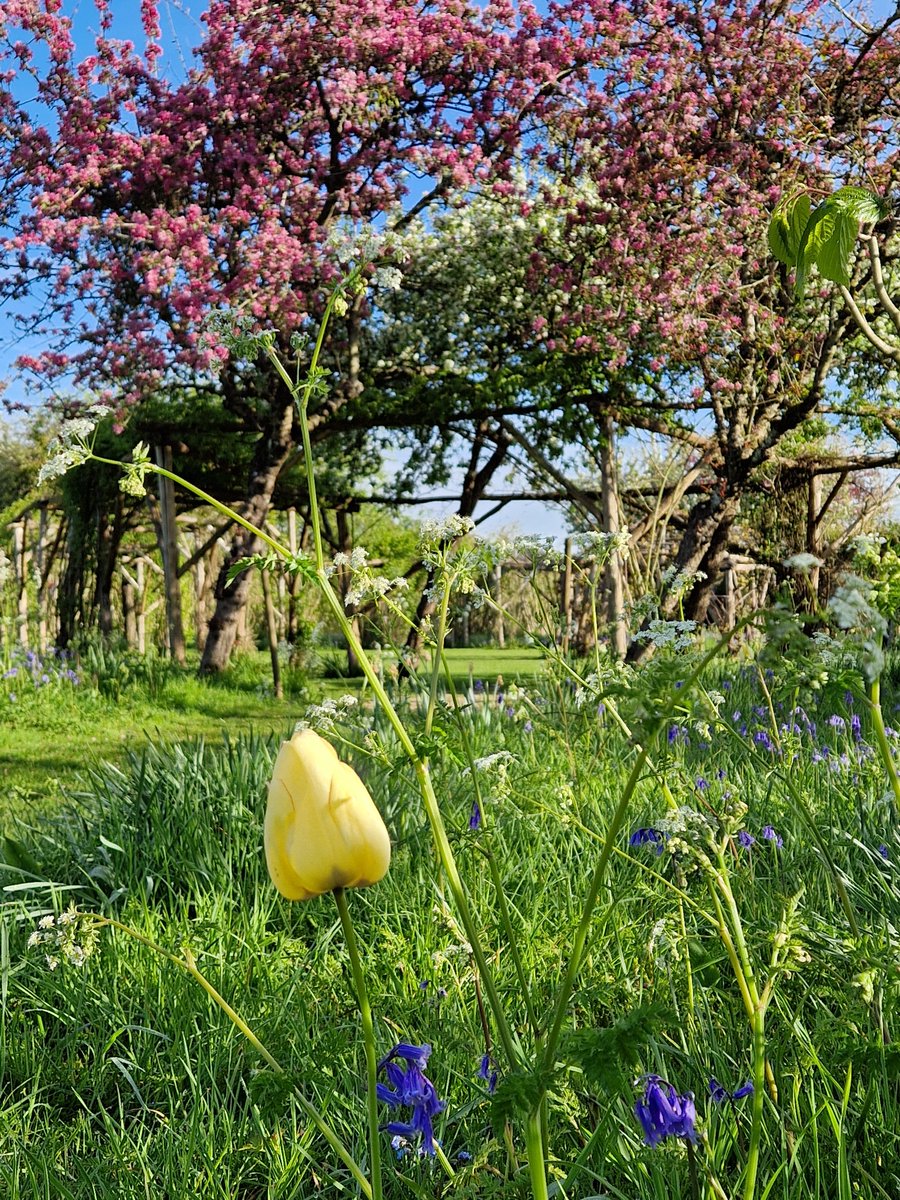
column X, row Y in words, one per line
column 168, row 545
column 474, row 485
column 270, row 455
column 345, row 580
column 614, row 582
column 109, row 537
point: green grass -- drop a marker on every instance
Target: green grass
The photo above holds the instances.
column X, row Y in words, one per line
column 120, row 1079
column 47, row 741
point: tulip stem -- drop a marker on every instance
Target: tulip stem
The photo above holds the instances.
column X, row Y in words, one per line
column 365, row 1012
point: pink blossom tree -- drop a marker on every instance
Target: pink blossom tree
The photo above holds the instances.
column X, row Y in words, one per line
column 145, row 205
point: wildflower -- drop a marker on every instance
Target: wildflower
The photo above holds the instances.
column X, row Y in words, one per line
column 488, row 1072
column 475, row 816
column 720, row 1094
column 745, row 839
column 410, row 1088
column 761, row 738
column 663, row 1113
column 463, row 1157
column 883, row 851
column 322, row 829
column 771, row 836
column 856, row 727
column 528, row 727
column 702, row 784
column 648, row 836
column 836, row 721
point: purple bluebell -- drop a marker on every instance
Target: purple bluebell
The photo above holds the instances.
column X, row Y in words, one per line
column 836, row 721
column 883, row 851
column 720, row 1094
column 720, row 773
column 510, row 711
column 648, row 837
column 702, row 784
column 478, row 687
column 761, row 738
column 475, row 816
column 663, row 1113
column 856, row 727
column 746, row 839
column 488, row 1072
column 463, row 1157
column 771, row 836
column 527, row 727
column 410, row 1088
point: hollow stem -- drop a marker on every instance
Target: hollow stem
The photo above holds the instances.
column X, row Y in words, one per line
column 365, row 1012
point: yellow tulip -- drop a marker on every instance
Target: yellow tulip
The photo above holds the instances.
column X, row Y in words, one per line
column 322, row 828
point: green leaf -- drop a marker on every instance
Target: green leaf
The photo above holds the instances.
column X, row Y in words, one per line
column 834, row 252
column 862, row 204
column 14, row 854
column 786, row 228
column 518, row 1093
column 605, row 1055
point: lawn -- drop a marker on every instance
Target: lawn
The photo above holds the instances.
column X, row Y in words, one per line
column 734, row 841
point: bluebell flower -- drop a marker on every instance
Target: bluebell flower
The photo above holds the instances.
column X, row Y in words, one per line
column 848, row 699
column 463, row 1157
column 720, row 773
column 488, row 1072
column 856, row 727
column 475, row 816
column 478, row 687
column 746, row 839
column 771, row 836
column 720, row 1094
column 510, row 711
column 648, row 837
column 702, row 784
column 410, row 1088
column 663, row 1113
column 836, row 721
column 883, row 851
column 761, row 738
column 527, row 727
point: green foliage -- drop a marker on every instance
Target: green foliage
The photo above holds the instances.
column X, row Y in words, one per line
column 609, row 1054
column 825, row 237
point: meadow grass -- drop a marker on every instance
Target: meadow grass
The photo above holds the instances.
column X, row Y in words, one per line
column 121, row 1079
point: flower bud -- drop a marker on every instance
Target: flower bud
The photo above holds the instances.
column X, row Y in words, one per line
column 322, row 828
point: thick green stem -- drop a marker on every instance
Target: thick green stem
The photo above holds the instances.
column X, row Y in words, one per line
column 365, row 1012
column 884, row 746
column 534, row 1148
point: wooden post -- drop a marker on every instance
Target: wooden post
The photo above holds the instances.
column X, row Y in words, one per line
column 730, row 595
column 293, row 580
column 567, row 598
column 168, row 544
column 129, row 609
column 141, row 606
column 498, row 599
column 272, row 633
column 20, row 564
column 40, row 566
column 813, row 504
column 614, row 581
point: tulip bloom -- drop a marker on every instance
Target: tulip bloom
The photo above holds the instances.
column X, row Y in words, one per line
column 322, row 828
